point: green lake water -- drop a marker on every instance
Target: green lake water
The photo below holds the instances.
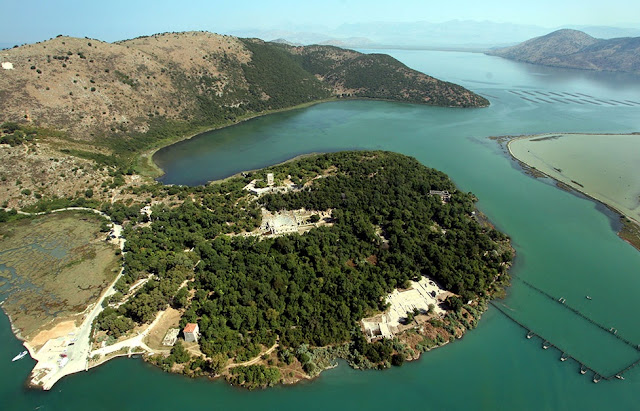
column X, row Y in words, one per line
column 566, row 246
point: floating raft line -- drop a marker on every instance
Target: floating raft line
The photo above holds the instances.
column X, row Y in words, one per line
column 565, row 354
column 610, row 330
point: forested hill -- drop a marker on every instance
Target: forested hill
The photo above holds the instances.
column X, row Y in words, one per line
column 306, row 290
column 380, row 76
column 575, row 49
column 135, row 89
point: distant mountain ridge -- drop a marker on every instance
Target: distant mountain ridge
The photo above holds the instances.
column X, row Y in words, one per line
column 575, row 49
column 461, row 34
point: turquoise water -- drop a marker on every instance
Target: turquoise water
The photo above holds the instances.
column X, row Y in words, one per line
column 565, row 246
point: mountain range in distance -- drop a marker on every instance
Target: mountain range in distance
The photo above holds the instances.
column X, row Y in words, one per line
column 463, row 35
column 455, row 34
column 577, row 50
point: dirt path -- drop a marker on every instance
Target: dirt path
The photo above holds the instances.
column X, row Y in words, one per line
column 254, row 360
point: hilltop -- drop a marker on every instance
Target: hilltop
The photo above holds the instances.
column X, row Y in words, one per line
column 575, row 49
column 93, row 90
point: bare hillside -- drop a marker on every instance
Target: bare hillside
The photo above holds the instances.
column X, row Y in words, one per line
column 575, row 49
column 88, row 87
column 97, row 91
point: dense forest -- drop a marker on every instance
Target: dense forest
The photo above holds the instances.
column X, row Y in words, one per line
column 311, row 289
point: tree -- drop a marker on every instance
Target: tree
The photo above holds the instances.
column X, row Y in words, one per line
column 398, row 359
column 180, row 354
column 10, row 127
column 180, row 299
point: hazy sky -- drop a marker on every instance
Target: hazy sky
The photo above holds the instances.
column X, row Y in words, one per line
column 110, row 20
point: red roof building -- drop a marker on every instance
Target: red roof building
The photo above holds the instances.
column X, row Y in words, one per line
column 191, row 332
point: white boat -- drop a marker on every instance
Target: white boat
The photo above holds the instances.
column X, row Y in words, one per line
column 19, row 356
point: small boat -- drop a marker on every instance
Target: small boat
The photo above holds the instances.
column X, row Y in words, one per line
column 583, row 369
column 620, row 377
column 19, row 356
column 588, row 297
column 596, row 378
column 530, row 334
column 564, row 357
column 546, row 345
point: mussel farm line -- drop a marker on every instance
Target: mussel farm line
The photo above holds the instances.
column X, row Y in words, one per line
column 565, row 354
column 561, row 300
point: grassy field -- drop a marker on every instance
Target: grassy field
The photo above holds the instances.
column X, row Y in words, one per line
column 170, row 319
column 52, row 268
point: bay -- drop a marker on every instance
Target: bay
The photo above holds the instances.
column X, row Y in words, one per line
column 566, row 246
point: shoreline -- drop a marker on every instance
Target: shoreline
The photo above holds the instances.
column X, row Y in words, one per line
column 536, row 173
column 239, row 174
column 153, row 171
column 75, row 344
column 481, row 307
column 145, row 158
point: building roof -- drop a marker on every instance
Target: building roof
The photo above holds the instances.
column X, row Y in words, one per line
column 190, row 327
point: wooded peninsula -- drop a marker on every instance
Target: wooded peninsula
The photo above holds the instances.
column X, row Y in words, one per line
column 306, row 294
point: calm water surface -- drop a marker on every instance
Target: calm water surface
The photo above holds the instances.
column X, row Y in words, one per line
column 566, row 246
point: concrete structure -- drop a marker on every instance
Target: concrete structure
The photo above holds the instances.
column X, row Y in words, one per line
column 283, row 222
column 444, row 195
column 251, row 187
column 191, row 332
column 418, row 297
column 171, row 337
column 7, row 66
column 146, row 210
